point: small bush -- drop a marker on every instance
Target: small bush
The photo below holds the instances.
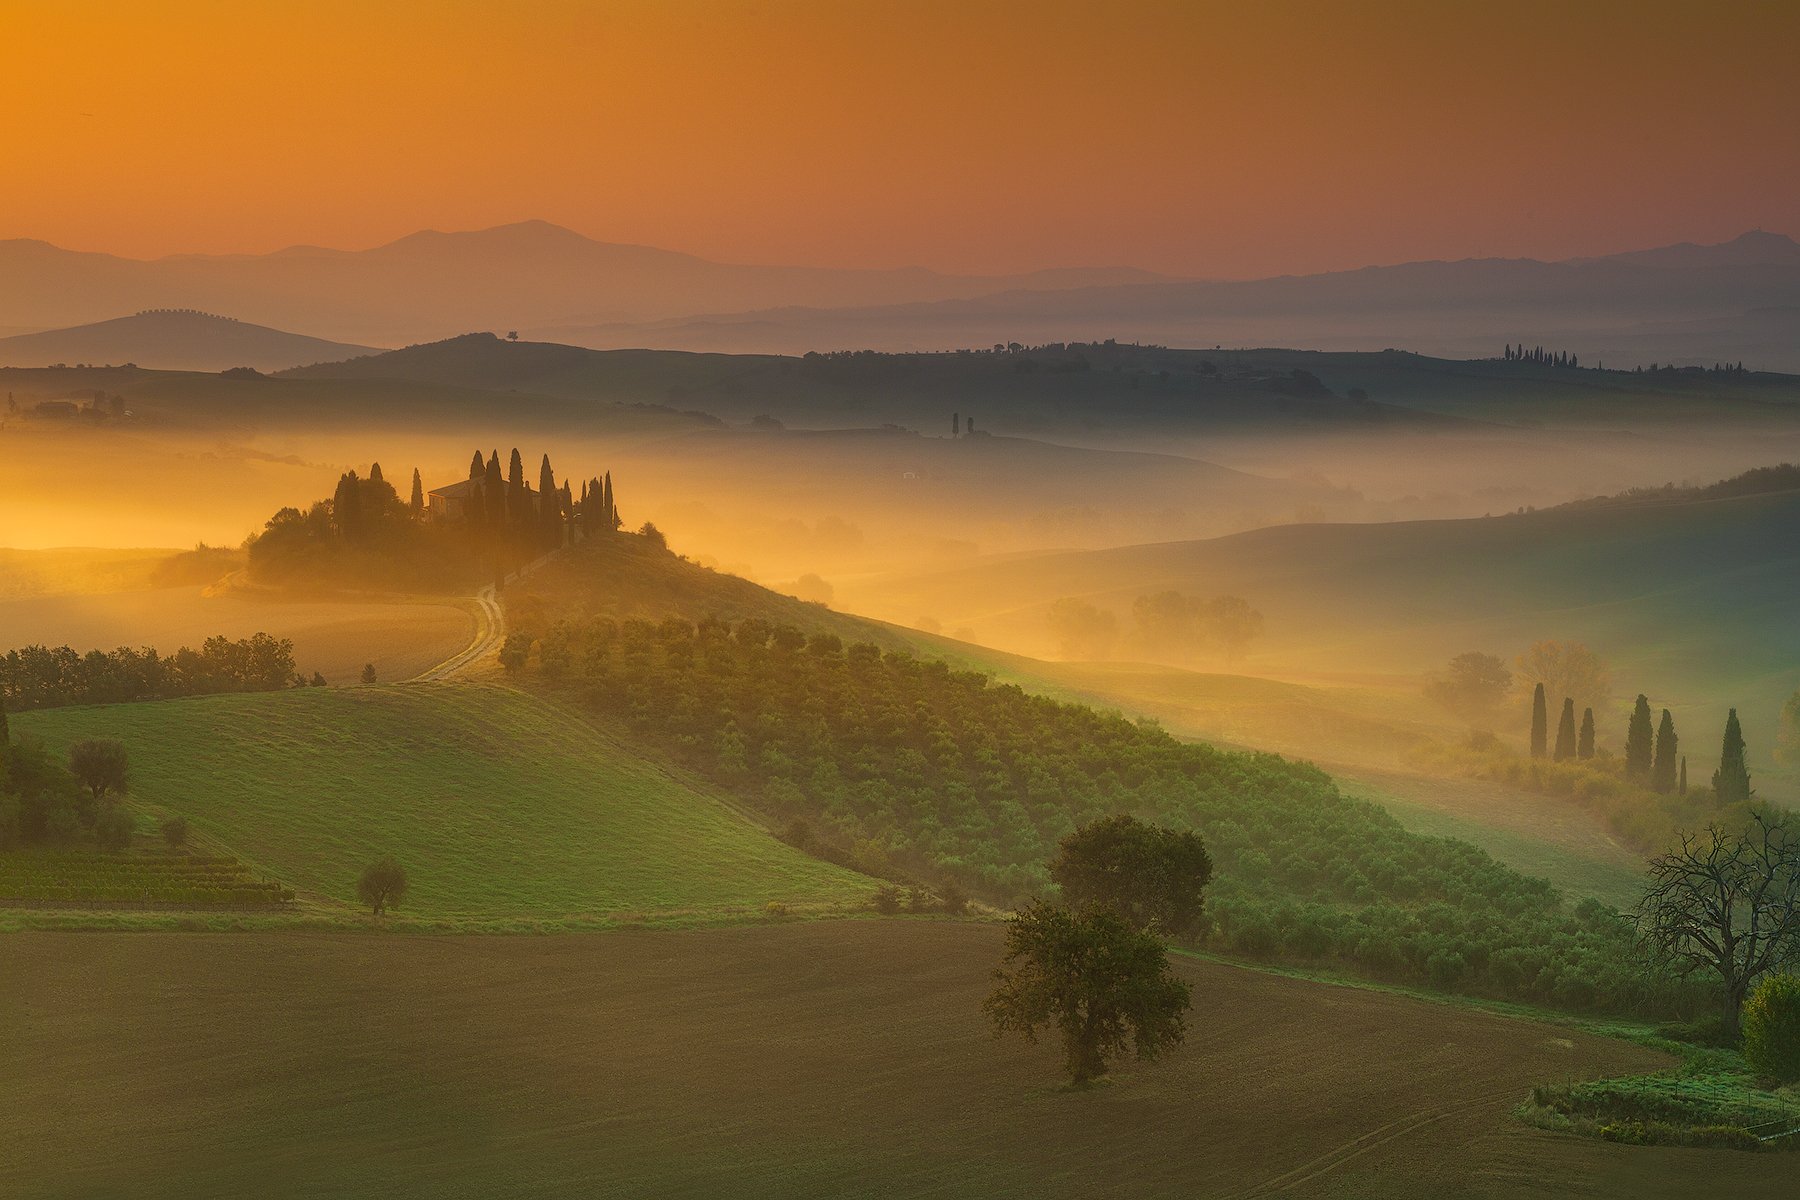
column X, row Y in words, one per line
column 1772, row 1028
column 368, row 673
column 887, row 900
column 114, row 828
column 175, row 831
column 956, row 903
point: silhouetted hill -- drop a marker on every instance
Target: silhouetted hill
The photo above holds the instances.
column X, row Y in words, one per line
column 1690, row 602
column 174, row 340
column 1620, row 307
column 526, row 275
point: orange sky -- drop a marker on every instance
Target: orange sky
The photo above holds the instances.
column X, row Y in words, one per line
column 1212, row 139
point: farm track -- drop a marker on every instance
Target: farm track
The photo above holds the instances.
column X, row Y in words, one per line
column 490, row 630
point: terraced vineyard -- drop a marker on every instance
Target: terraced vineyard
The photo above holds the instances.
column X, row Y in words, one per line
column 134, row 881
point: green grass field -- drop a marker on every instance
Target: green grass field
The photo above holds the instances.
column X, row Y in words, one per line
column 499, row 804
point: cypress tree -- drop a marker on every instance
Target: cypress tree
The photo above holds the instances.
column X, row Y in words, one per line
column 1584, row 746
column 476, row 467
column 1731, row 782
column 493, row 491
column 418, row 493
column 375, row 473
column 1638, row 746
column 1662, row 773
column 1540, row 724
column 1684, row 774
column 1565, row 732
column 518, row 503
column 549, row 503
column 611, row 510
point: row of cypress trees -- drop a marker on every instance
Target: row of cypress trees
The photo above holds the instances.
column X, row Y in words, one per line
column 1653, row 759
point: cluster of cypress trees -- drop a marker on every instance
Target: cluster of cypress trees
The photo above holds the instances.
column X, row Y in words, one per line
column 507, row 505
column 1537, row 354
column 1652, row 758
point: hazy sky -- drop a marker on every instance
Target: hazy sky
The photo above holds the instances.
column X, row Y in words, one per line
column 1228, row 139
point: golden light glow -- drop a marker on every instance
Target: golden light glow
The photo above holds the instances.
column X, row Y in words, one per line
column 1210, row 139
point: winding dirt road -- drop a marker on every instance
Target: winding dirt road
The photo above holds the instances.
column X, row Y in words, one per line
column 490, row 630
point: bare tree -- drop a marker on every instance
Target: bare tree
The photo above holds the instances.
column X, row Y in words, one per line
column 1727, row 902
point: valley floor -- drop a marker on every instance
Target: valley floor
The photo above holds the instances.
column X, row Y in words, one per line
column 815, row 1058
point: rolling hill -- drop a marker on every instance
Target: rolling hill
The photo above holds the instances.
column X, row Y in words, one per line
column 504, row 808
column 173, row 340
column 1656, row 303
column 429, row 284
column 1691, row 603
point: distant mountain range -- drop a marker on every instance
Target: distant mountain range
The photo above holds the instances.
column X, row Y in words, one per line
column 173, row 340
column 430, row 285
column 1685, row 303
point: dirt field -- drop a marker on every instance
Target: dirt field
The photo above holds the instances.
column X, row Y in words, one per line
column 333, row 638
column 843, row 1058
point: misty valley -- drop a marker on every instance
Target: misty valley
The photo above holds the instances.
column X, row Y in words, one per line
column 907, row 600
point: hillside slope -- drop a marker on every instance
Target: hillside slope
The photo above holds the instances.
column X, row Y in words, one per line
column 1692, row 603
column 173, row 340
column 502, row 807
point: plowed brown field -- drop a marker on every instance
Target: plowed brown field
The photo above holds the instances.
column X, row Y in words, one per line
column 839, row 1058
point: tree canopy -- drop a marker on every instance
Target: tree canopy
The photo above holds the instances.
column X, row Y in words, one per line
column 1104, row 985
column 1152, row 877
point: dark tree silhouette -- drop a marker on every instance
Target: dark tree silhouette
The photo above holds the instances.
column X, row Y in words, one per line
column 1565, row 732
column 1540, row 723
column 1728, row 903
column 418, row 493
column 1102, row 984
column 1639, row 749
column 1584, row 745
column 1731, row 782
column 1665, row 768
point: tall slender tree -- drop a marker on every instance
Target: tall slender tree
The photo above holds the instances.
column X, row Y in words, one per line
column 1639, row 747
column 493, row 491
column 518, row 500
column 1664, row 770
column 1731, row 782
column 1683, row 784
column 612, row 510
column 549, row 505
column 418, row 493
column 1584, row 746
column 1565, row 732
column 1540, row 724
column 375, row 473
column 477, row 468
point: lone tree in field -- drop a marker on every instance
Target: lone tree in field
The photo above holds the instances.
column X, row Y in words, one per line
column 1584, row 743
column 1153, row 878
column 1540, row 723
column 382, row 886
column 368, row 673
column 1664, row 769
column 99, row 764
column 1731, row 782
column 1102, row 984
column 1639, row 749
column 1728, row 903
column 1565, row 732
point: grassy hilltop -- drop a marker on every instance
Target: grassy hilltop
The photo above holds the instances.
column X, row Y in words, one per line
column 502, row 806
